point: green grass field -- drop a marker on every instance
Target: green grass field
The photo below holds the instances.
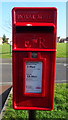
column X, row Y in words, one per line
column 61, row 50
column 5, row 51
column 60, row 111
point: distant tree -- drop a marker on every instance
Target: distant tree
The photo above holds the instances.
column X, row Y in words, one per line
column 4, row 38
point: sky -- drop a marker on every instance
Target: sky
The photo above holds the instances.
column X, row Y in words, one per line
column 6, row 15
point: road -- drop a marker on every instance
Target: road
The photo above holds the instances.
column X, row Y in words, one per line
column 61, row 70
column 5, row 82
column 7, row 72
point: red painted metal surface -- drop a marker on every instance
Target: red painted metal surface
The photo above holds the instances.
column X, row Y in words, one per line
column 34, row 32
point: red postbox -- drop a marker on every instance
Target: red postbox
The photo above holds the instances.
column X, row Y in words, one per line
column 34, row 57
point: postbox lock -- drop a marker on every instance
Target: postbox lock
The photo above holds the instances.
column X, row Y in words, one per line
column 34, row 54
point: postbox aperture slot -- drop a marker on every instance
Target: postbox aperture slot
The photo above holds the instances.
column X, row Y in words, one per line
column 28, row 29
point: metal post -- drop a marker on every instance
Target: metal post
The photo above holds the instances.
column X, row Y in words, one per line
column 10, row 49
column 32, row 115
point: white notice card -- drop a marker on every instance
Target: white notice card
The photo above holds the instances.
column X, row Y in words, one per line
column 33, row 77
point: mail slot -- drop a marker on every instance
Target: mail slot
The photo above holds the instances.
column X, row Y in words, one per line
column 34, row 57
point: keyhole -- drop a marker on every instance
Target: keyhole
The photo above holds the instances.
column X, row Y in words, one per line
column 34, row 54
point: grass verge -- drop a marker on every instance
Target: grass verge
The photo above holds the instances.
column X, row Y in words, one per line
column 5, row 51
column 62, row 51
column 60, row 111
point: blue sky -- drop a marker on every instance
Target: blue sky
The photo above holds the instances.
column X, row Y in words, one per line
column 6, row 13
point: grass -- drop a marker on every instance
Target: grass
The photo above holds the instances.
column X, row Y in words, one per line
column 5, row 51
column 60, row 111
column 61, row 50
